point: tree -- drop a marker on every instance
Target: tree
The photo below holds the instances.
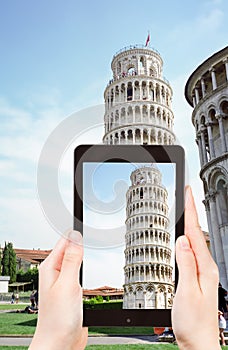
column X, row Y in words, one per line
column 29, row 276
column 99, row 298
column 9, row 262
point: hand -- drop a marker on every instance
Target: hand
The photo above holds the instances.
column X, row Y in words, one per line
column 60, row 298
column 195, row 309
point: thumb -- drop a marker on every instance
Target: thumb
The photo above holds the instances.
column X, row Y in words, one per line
column 72, row 258
column 186, row 264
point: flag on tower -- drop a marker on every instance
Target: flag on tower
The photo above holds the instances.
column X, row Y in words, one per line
column 148, row 39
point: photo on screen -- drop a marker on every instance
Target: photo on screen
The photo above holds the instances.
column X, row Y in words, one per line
column 129, row 235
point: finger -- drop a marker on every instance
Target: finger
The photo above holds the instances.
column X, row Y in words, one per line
column 206, row 267
column 186, row 263
column 51, row 266
column 72, row 258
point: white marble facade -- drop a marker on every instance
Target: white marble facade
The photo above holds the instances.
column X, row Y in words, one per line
column 138, row 100
column 207, row 92
column 148, row 271
column 138, row 111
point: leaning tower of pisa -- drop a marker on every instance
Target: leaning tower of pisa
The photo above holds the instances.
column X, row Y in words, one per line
column 138, row 99
column 138, row 111
column 148, row 270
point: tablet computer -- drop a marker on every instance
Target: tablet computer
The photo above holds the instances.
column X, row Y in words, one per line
column 129, row 207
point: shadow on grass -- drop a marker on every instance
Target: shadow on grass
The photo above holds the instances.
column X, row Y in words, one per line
column 29, row 323
column 121, row 331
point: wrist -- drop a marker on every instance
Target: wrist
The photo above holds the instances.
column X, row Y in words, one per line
column 44, row 341
column 201, row 345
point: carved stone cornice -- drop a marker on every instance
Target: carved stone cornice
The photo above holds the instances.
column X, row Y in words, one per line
column 212, row 162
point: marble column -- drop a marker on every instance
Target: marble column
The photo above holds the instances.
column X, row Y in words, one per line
column 203, row 87
column 144, row 295
column 140, row 90
column 156, row 300
column 141, row 114
column 212, row 244
column 226, row 67
column 133, row 90
column 197, row 95
column 204, row 153
column 194, row 101
column 222, row 133
column 210, row 140
column 213, row 78
column 125, row 91
column 114, row 97
column 216, row 234
column 133, row 133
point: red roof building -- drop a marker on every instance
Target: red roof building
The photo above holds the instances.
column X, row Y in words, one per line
column 105, row 291
column 29, row 258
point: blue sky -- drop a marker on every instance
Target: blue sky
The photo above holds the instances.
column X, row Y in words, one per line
column 55, row 60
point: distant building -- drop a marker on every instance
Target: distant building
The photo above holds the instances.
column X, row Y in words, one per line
column 4, row 283
column 207, row 92
column 30, row 258
column 105, row 291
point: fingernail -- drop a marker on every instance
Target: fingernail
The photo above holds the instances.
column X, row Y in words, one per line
column 184, row 242
column 75, row 237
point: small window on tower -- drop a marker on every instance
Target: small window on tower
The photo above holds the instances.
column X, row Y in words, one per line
column 129, row 94
column 141, row 193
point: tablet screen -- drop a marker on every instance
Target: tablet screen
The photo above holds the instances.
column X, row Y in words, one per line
column 129, row 204
column 129, row 235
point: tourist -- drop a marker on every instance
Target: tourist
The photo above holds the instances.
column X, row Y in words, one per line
column 222, row 293
column 222, row 327
column 194, row 312
column 17, row 298
column 32, row 298
column 28, row 310
column 36, row 296
column 13, row 298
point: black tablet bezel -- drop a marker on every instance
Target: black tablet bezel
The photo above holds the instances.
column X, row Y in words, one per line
column 132, row 154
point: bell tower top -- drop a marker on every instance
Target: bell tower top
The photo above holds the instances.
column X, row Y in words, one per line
column 137, row 60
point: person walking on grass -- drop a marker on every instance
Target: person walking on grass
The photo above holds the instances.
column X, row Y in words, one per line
column 13, row 298
column 17, row 297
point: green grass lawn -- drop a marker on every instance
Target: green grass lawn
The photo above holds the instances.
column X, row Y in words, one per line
column 13, row 306
column 13, row 323
column 13, row 347
column 21, row 324
column 120, row 330
column 24, row 324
